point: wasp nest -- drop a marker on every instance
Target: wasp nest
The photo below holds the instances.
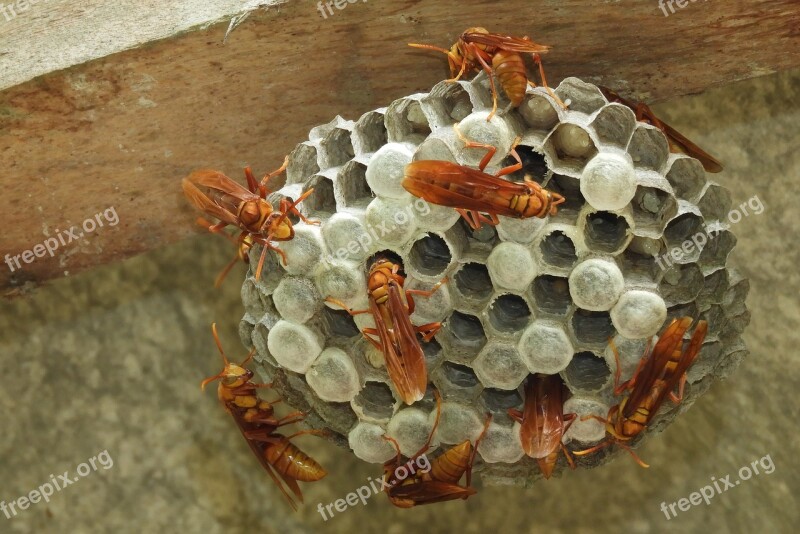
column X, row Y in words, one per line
column 527, row 296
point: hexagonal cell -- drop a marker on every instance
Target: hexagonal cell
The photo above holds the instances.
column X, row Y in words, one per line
column 681, row 310
column 466, row 332
column 583, row 97
column 390, row 220
column 681, row 229
column 587, row 372
column 501, row 444
column 336, row 148
column 681, row 284
column 485, row 235
column 715, row 203
column 375, row 402
column 369, row 132
column 446, row 104
column 500, row 366
column 545, row 348
column 339, row 416
column 687, row 177
column 367, row 443
column 386, row 169
column 405, row 120
column 430, row 309
column 511, row 266
column 586, row 430
column 639, row 314
column 569, row 147
column 595, row 284
column 433, row 354
column 652, row 207
column 294, row 346
column 592, row 327
column 551, row 294
column 638, row 268
column 333, row 376
column 569, row 188
column 346, row 238
column 297, row 299
column 734, row 299
column 534, row 165
column 714, row 288
column 499, row 401
column 246, row 326
column 539, row 112
column 606, row 232
column 456, row 381
column 351, row 186
column 430, row 255
column 410, row 427
column 457, row 423
column 608, row 181
column 271, row 272
column 648, row 147
column 339, row 323
column 303, row 251
column 614, row 125
column 472, row 282
column 520, row 230
column 558, row 250
column 497, row 132
column 302, row 163
column 716, row 251
column 343, row 281
column 508, row 313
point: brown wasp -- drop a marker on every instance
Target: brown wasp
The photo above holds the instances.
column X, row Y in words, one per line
column 440, row 482
column 474, row 192
column 245, row 208
column 677, row 141
column 659, row 372
column 257, row 422
column 391, row 307
column 476, row 48
column 544, row 421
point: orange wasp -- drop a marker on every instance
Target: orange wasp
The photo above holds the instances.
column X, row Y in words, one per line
column 473, row 192
column 659, row 372
column 544, row 421
column 391, row 306
column 245, row 208
column 243, row 245
column 476, row 48
column 256, row 420
column 677, row 141
column 440, row 482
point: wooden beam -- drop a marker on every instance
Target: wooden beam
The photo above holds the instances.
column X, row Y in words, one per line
column 121, row 130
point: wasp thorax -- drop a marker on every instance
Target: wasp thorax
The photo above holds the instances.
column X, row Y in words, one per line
column 252, row 212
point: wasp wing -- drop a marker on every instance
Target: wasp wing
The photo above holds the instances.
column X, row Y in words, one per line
column 542, row 420
column 506, row 42
column 656, row 364
column 202, row 202
column 456, row 186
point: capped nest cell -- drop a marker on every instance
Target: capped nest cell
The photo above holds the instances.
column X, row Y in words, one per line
column 620, row 259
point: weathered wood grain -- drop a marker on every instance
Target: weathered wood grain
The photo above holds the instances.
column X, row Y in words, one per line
column 123, row 129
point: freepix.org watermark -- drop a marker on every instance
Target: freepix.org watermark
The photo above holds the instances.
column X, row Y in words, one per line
column 366, row 491
column 700, row 239
column 330, row 4
column 720, row 485
column 12, row 10
column 48, row 489
column 51, row 244
column 663, row 4
column 375, row 233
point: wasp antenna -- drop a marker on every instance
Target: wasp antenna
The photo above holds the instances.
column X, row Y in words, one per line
column 219, row 343
column 429, row 47
column 249, row 357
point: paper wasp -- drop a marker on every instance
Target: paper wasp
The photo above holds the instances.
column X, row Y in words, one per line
column 245, row 208
column 476, row 48
column 660, row 371
column 256, row 420
column 474, row 192
column 677, row 141
column 544, row 421
column 391, row 307
column 440, row 483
